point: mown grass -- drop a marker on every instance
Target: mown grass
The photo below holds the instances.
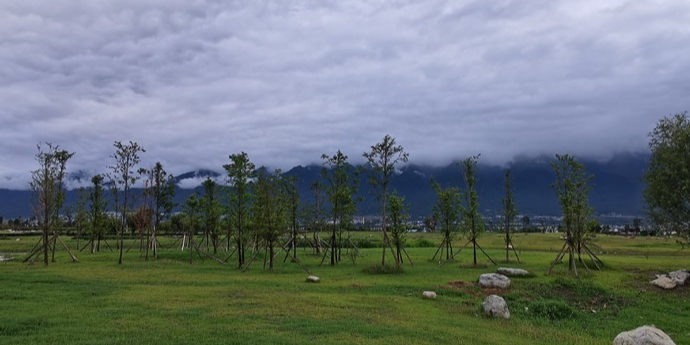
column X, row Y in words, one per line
column 167, row 300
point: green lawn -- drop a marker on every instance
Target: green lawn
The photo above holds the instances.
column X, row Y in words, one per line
column 96, row 301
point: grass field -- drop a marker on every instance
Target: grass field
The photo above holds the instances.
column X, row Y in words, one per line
column 169, row 301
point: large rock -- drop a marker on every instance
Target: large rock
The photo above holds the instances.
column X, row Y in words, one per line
column 495, row 306
column 429, row 294
column 512, row 272
column 664, row 282
column 679, row 277
column 494, row 280
column 313, row 279
column 645, row 335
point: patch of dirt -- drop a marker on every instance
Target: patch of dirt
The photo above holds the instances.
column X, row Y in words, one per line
column 460, row 283
column 473, row 289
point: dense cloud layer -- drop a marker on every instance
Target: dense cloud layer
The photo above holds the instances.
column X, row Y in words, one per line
column 194, row 81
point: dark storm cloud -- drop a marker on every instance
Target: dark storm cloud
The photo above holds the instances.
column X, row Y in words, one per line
column 194, row 81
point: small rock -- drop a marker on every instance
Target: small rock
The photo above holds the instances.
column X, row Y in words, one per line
column 429, row 294
column 495, row 306
column 516, row 272
column 645, row 335
column 679, row 277
column 313, row 279
column 664, row 282
column 494, row 280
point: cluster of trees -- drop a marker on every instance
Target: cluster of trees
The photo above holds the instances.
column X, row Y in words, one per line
column 261, row 210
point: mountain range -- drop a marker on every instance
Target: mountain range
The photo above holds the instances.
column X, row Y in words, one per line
column 616, row 186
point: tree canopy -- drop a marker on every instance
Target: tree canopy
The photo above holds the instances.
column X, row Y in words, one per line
column 667, row 194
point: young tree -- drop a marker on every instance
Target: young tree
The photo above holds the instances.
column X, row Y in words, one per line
column 315, row 214
column 572, row 188
column 270, row 212
column 161, row 191
column 81, row 218
column 49, row 195
column 382, row 159
column 398, row 213
column 472, row 222
column 211, row 210
column 447, row 212
column 123, row 177
column 97, row 208
column 292, row 198
column 667, row 193
column 341, row 186
column 192, row 221
column 509, row 213
column 240, row 172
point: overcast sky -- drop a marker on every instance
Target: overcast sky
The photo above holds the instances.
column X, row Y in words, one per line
column 286, row 81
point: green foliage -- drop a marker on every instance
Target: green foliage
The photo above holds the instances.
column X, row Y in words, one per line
column 162, row 191
column 572, row 188
column 97, row 206
column 447, row 210
column 270, row 211
column 341, row 187
column 398, row 212
column 48, row 190
column 509, row 212
column 472, row 222
column 382, row 158
column 384, row 269
column 81, row 218
column 552, row 309
column 667, row 193
column 421, row 243
column 211, row 211
column 47, row 184
column 240, row 172
column 192, row 221
column 122, row 179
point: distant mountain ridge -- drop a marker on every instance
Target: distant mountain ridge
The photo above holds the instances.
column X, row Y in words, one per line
column 616, row 187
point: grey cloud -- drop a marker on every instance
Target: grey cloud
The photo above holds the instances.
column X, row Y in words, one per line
column 287, row 81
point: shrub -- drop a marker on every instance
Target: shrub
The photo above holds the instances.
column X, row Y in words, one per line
column 552, row 309
column 385, row 269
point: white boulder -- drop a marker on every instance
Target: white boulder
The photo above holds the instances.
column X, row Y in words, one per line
column 645, row 335
column 494, row 280
column 313, row 279
column 679, row 277
column 664, row 282
column 495, row 306
column 512, row 272
column 429, row 294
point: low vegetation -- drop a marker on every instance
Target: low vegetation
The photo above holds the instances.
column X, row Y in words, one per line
column 168, row 300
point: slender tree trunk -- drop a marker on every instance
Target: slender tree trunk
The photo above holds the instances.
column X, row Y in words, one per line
column 45, row 246
column 474, row 250
column 53, row 249
column 333, row 245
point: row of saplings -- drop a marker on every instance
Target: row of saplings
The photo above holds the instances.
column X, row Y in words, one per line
column 263, row 205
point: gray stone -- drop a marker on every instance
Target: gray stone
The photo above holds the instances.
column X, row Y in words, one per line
column 645, row 335
column 313, row 279
column 495, row 306
column 664, row 282
column 494, row 280
column 679, row 277
column 429, row 294
column 512, row 272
